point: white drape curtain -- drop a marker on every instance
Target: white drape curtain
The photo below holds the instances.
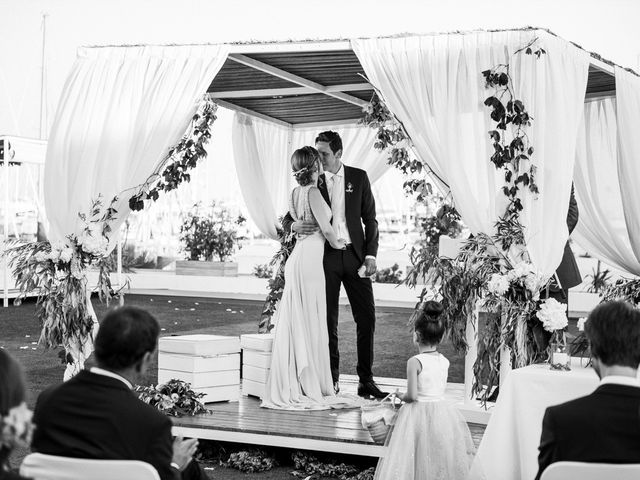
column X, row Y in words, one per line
column 606, row 176
column 262, row 151
column 261, row 154
column 434, row 86
column 119, row 112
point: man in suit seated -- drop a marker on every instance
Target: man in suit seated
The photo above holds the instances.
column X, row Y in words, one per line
column 97, row 415
column 604, row 426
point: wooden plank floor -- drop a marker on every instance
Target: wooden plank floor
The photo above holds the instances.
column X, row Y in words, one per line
column 321, row 430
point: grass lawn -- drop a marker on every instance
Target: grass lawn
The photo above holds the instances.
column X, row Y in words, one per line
column 19, row 332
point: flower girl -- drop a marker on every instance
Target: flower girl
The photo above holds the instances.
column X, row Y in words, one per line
column 431, row 439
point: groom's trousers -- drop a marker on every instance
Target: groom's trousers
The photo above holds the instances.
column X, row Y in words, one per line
column 341, row 267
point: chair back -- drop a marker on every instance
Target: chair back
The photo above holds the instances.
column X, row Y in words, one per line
column 39, row 466
column 591, row 471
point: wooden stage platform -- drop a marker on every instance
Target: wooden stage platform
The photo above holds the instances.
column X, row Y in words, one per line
column 337, row 431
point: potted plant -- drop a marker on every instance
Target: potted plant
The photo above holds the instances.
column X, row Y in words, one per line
column 210, row 236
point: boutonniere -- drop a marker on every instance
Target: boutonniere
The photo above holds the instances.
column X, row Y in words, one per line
column 349, row 188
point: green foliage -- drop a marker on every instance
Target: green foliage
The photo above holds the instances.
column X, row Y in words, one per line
column 276, row 283
column 623, row 289
column 174, row 398
column 600, row 279
column 210, row 233
column 307, row 465
column 250, row 461
column 56, row 272
column 264, row 270
column 181, row 158
column 391, row 274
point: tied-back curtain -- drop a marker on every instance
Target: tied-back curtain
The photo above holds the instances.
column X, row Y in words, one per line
column 120, row 110
column 604, row 166
column 434, row 85
column 261, row 153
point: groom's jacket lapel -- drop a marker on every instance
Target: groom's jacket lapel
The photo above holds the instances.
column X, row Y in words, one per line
column 322, row 186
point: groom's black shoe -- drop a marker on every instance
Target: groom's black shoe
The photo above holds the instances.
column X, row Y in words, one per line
column 370, row 389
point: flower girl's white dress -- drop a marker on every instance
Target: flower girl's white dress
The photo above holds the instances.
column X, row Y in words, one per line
column 431, row 439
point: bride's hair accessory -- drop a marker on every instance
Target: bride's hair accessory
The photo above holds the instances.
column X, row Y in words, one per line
column 16, row 428
column 304, row 162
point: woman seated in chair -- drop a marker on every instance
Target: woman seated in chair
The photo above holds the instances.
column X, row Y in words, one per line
column 15, row 417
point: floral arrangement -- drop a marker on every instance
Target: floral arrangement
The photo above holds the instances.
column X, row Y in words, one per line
column 622, row 289
column 308, row 465
column 211, row 233
column 174, row 398
column 553, row 315
column 181, row 158
column 276, row 283
column 56, row 272
column 16, row 428
column 250, row 461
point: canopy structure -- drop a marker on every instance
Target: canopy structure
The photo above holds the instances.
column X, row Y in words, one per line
column 313, row 83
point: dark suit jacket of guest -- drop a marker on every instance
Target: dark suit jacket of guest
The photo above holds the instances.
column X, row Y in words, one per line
column 94, row 416
column 601, row 427
column 568, row 272
column 360, row 209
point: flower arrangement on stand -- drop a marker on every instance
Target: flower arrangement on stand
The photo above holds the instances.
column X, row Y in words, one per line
column 553, row 316
column 16, row 428
column 56, row 272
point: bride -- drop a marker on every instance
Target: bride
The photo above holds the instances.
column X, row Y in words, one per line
column 300, row 376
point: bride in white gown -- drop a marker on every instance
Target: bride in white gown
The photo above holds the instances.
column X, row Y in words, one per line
column 300, row 376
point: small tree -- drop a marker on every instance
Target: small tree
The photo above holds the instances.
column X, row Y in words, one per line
column 212, row 233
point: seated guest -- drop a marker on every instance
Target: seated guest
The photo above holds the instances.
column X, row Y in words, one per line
column 604, row 426
column 97, row 415
column 15, row 418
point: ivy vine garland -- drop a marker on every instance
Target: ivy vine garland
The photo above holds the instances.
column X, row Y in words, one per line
column 181, row 158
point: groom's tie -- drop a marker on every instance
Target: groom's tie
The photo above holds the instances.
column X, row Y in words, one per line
column 323, row 189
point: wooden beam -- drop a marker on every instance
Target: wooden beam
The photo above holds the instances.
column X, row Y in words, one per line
column 284, row 92
column 277, row 72
column 280, row 47
column 246, row 111
column 328, row 123
column 602, row 66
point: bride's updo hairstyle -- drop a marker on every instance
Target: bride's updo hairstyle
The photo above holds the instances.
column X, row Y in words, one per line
column 429, row 324
column 304, row 162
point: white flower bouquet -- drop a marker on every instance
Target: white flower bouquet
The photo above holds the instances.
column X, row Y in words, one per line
column 553, row 315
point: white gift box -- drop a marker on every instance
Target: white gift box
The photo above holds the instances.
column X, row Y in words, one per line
column 222, row 393
column 249, row 387
column 190, row 363
column 202, row 379
column 256, row 359
column 262, row 342
column 199, row 344
column 255, row 374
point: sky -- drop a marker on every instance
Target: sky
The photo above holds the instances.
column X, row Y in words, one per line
column 608, row 27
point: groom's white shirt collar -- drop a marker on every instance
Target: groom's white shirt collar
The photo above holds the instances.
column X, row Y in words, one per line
column 107, row 373
column 620, row 380
column 339, row 173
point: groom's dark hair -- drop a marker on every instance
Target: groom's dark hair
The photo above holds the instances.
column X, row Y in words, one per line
column 332, row 138
column 613, row 330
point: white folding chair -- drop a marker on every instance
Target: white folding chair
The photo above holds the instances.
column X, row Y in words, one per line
column 591, row 471
column 49, row 467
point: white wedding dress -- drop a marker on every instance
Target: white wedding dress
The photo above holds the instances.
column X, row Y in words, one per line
column 300, row 376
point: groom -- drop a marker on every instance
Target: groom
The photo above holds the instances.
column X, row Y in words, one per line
column 348, row 192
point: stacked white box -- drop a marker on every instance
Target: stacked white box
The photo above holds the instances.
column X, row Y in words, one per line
column 256, row 362
column 210, row 363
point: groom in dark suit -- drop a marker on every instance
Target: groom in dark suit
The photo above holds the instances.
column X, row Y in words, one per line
column 348, row 192
column 604, row 426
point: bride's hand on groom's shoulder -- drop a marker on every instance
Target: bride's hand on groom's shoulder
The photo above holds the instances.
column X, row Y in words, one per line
column 304, row 227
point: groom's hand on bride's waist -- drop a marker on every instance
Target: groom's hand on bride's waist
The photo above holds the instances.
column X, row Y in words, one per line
column 304, row 228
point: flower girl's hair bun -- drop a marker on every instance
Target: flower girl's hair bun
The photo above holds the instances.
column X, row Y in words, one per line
column 304, row 163
column 429, row 323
